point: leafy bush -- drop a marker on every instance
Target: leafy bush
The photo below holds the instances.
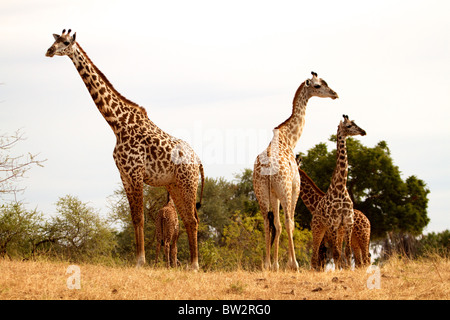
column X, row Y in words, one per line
column 436, row 243
column 19, row 229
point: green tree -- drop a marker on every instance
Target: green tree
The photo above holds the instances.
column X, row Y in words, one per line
column 222, row 199
column 436, row 243
column 218, row 198
column 19, row 229
column 244, row 194
column 77, row 232
column 375, row 186
column 244, row 243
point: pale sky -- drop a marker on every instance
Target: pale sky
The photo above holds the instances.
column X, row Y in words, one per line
column 221, row 75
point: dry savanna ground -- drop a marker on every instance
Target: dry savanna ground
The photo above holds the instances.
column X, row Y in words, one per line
column 399, row 279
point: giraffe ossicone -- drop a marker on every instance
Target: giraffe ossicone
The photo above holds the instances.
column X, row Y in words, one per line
column 143, row 151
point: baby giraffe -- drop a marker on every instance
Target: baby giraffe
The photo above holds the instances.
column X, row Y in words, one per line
column 167, row 232
column 334, row 212
column 311, row 195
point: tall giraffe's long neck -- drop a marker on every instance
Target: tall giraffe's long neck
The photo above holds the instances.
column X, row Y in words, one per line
column 339, row 179
column 292, row 128
column 117, row 110
column 309, row 192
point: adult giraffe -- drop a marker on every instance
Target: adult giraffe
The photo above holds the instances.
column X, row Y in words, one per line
column 275, row 175
column 143, row 153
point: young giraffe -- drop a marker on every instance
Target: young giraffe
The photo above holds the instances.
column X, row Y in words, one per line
column 311, row 195
column 143, row 153
column 334, row 211
column 275, row 175
column 167, row 232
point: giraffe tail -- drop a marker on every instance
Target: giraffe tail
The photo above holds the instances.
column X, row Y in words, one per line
column 202, row 173
column 271, row 227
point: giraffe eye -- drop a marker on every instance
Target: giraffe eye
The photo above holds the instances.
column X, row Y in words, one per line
column 66, row 43
column 317, row 86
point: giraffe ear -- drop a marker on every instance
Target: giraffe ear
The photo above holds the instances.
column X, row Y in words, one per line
column 74, row 36
column 307, row 82
column 56, row 36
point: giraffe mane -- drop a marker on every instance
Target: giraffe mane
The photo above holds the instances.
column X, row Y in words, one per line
column 127, row 101
column 297, row 93
column 313, row 185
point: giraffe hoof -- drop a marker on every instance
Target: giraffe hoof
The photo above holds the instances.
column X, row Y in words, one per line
column 275, row 266
column 140, row 262
column 295, row 268
column 194, row 267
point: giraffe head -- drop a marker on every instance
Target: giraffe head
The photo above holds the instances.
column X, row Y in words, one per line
column 63, row 44
column 349, row 128
column 319, row 88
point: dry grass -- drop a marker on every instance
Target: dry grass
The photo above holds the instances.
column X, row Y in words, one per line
column 400, row 279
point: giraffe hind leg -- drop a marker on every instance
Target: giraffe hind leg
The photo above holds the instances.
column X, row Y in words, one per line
column 271, row 227
column 184, row 198
column 261, row 187
column 275, row 203
column 158, row 249
column 167, row 253
column 174, row 249
column 318, row 232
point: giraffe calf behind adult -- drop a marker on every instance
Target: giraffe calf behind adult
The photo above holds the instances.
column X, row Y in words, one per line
column 167, row 232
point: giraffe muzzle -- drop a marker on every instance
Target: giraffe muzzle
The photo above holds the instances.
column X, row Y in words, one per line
column 50, row 52
column 335, row 95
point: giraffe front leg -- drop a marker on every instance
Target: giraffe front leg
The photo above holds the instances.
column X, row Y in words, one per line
column 292, row 262
column 348, row 230
column 133, row 184
column 135, row 195
column 348, row 249
column 365, row 252
column 138, row 223
column 357, row 253
column 290, row 223
column 336, row 240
